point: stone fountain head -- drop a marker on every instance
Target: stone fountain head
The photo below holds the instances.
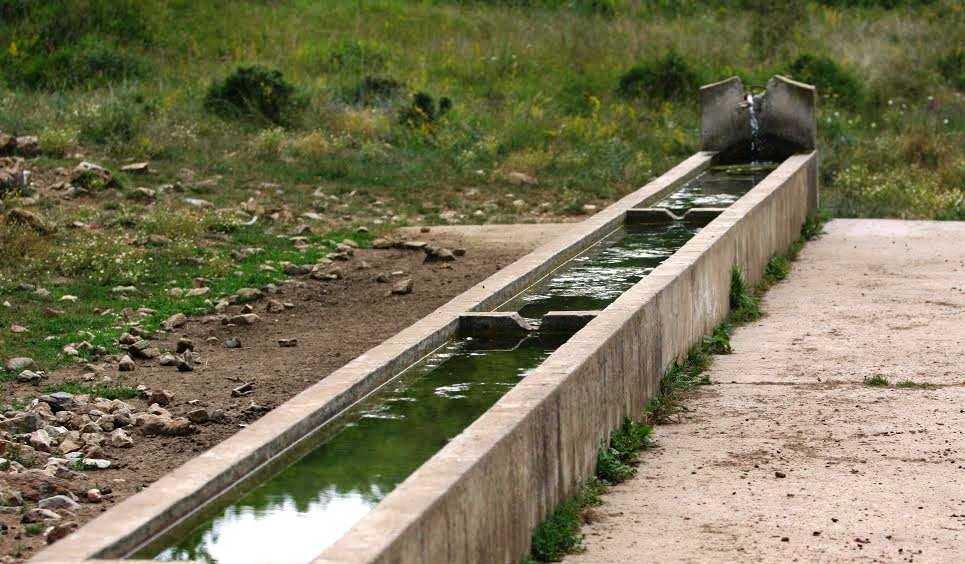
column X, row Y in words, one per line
column 785, row 113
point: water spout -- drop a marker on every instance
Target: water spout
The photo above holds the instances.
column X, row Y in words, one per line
column 755, row 128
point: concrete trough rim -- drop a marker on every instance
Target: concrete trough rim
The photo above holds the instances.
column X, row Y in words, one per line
column 129, row 525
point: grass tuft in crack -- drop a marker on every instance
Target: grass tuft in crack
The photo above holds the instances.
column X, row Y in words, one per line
column 876, row 381
column 616, row 461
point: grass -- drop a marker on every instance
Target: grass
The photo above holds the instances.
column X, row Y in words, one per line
column 106, row 391
column 912, row 385
column 876, row 381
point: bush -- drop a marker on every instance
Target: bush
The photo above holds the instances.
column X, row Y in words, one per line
column 373, row 90
column 666, row 78
column 423, row 110
column 952, row 68
column 253, row 92
column 91, row 62
column 832, row 80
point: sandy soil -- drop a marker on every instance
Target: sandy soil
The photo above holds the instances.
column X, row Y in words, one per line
column 788, row 456
column 333, row 321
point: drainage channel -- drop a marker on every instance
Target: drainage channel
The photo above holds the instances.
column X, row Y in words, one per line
column 350, row 464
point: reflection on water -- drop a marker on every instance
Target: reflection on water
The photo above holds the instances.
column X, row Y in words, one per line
column 717, row 188
column 593, row 280
column 305, row 508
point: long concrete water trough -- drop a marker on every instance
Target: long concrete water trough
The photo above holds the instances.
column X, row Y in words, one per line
column 481, row 494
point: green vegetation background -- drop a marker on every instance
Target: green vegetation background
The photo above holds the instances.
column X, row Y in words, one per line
column 384, row 112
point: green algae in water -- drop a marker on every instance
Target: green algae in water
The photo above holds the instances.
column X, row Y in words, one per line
column 295, row 515
column 595, row 279
column 719, row 187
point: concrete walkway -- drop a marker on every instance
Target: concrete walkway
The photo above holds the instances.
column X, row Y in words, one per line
column 789, row 456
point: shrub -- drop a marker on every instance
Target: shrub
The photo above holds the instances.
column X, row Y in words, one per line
column 423, row 110
column 952, row 68
column 374, row 90
column 832, row 80
column 253, row 92
column 666, row 78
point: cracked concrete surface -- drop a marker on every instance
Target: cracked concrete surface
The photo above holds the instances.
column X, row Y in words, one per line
column 788, row 456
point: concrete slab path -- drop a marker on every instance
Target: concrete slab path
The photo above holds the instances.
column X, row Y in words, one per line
column 789, row 456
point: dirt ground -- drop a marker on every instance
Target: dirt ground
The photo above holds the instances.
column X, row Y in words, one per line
column 333, row 321
column 789, row 456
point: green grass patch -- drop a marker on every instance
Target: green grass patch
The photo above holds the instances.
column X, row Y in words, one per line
column 89, row 270
column 876, row 381
column 912, row 385
column 106, row 391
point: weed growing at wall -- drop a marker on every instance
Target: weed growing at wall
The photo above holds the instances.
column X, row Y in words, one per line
column 559, row 534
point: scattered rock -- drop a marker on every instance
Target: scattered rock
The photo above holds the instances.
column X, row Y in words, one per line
column 136, row 168
column 232, row 343
column 382, row 243
column 249, row 294
column 184, row 344
column 198, row 203
column 39, row 515
column 186, row 363
column 198, row 416
column 244, row 319
column 520, row 178
column 459, row 252
column 10, row 497
column 58, row 502
column 438, row 254
column 288, row 342
column 402, row 287
column 126, row 364
column 90, row 176
column 168, row 359
column 245, row 389
column 60, row 531
column 275, row 306
column 20, row 363
column 779, row 474
column 30, row 377
column 175, row 321
column 95, row 463
column 160, row 397
column 121, row 439
column 59, row 401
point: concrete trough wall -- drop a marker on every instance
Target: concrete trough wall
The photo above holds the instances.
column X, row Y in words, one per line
column 239, row 459
column 479, row 499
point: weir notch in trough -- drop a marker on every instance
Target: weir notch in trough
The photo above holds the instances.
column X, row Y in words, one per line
column 786, row 119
